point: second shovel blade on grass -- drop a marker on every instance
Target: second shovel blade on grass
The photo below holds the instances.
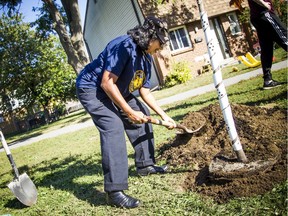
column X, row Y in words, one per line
column 24, row 189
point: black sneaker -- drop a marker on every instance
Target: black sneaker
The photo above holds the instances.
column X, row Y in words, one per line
column 120, row 199
column 152, row 170
column 271, row 84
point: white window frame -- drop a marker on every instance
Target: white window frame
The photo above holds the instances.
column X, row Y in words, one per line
column 234, row 24
column 178, row 39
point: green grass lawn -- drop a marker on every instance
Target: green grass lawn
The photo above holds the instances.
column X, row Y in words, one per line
column 68, row 175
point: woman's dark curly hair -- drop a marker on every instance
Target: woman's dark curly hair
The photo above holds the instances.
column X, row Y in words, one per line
column 142, row 34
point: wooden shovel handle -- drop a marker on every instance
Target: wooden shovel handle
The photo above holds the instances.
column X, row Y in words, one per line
column 168, row 124
column 159, row 122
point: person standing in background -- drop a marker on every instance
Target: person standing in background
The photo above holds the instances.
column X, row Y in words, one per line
column 269, row 30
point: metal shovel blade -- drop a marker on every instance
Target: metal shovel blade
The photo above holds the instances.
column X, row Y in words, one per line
column 24, row 189
column 185, row 130
column 201, row 121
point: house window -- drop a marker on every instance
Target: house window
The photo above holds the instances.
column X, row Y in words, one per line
column 234, row 24
column 179, row 39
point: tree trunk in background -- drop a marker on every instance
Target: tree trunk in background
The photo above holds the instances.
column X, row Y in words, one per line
column 248, row 36
column 74, row 45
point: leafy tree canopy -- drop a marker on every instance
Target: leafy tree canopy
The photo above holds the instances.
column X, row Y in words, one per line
column 64, row 20
column 32, row 70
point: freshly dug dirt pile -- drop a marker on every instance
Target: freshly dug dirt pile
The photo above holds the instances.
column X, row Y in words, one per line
column 263, row 135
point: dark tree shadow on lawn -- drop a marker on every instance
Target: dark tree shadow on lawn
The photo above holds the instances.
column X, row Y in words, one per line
column 75, row 167
column 62, row 174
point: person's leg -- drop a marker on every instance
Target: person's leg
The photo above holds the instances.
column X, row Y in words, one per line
column 140, row 135
column 266, row 40
column 113, row 145
column 142, row 139
column 266, row 45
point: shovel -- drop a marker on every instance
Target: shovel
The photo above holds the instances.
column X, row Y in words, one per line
column 184, row 129
column 22, row 186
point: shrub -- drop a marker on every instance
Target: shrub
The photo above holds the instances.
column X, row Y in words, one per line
column 180, row 73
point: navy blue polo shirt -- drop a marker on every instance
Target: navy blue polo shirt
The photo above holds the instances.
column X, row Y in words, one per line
column 123, row 58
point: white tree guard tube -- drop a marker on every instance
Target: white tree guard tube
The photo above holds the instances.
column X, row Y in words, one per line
column 219, row 85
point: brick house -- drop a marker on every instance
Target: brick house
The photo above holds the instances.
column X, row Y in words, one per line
column 106, row 19
column 187, row 40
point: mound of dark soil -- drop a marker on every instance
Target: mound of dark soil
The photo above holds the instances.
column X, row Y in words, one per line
column 263, row 135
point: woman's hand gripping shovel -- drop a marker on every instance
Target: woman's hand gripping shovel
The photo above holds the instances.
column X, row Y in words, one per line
column 184, row 129
column 22, row 186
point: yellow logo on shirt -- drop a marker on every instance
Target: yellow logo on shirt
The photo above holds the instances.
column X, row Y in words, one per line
column 137, row 80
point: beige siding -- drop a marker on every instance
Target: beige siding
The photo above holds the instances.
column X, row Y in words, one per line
column 106, row 20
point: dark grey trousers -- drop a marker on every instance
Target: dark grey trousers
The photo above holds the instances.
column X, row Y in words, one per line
column 112, row 124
